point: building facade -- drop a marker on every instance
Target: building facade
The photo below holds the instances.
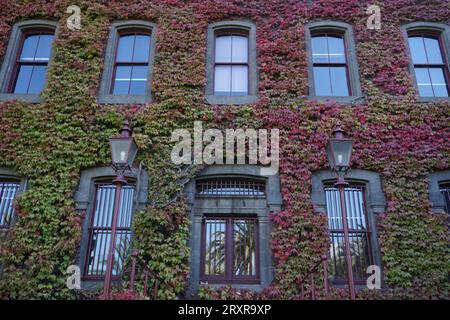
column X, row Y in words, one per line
column 71, row 71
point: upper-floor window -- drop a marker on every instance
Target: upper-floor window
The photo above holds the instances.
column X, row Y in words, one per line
column 100, row 227
column 31, row 64
column 330, row 65
column 429, row 49
column 128, row 63
column 332, row 59
column 231, row 63
column 131, row 63
column 430, row 67
column 359, row 232
column 24, row 71
column 8, row 190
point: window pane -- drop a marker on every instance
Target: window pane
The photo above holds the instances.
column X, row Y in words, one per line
column 23, row 79
column 438, row 82
column 336, row 49
column 29, row 48
column 244, row 248
column 417, row 50
column 141, row 48
column 319, row 49
column 138, row 80
column 322, row 83
column 125, row 48
column 7, row 193
column 37, row 79
column 423, row 82
column 222, row 80
column 223, row 49
column 433, row 51
column 44, row 47
column 122, row 80
column 239, row 84
column 339, row 81
column 239, row 49
column 215, row 247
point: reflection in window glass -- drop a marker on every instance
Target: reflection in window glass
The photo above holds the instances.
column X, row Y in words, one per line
column 358, row 232
column 229, row 248
column 8, row 191
column 100, row 230
column 31, row 69
column 329, row 65
column 429, row 66
column 231, row 65
column 131, row 67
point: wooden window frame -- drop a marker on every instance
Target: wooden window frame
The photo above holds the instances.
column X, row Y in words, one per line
column 85, row 274
column 341, row 35
column 229, row 277
column 433, row 34
column 367, row 232
column 126, row 32
column 232, row 32
column 17, row 62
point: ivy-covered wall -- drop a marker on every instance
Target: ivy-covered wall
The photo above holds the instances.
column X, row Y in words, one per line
column 395, row 135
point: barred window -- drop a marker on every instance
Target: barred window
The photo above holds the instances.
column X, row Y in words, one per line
column 445, row 191
column 100, row 230
column 8, row 190
column 359, row 232
column 231, row 187
column 229, row 249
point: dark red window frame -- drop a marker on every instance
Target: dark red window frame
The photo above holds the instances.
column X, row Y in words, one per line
column 339, row 232
column 120, row 230
column 342, row 35
column 18, row 62
column 128, row 32
column 229, row 277
column 437, row 36
column 232, row 32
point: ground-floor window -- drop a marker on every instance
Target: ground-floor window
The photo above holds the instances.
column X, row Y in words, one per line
column 359, row 232
column 230, row 249
column 100, row 230
column 8, row 190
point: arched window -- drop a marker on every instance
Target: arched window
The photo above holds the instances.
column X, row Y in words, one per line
column 333, row 68
column 231, row 63
column 428, row 45
column 359, row 232
column 24, row 71
column 128, row 63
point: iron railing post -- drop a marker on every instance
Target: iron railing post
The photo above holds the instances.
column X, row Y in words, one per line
column 341, row 184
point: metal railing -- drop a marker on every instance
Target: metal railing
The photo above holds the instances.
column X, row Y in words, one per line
column 310, row 274
column 140, row 275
